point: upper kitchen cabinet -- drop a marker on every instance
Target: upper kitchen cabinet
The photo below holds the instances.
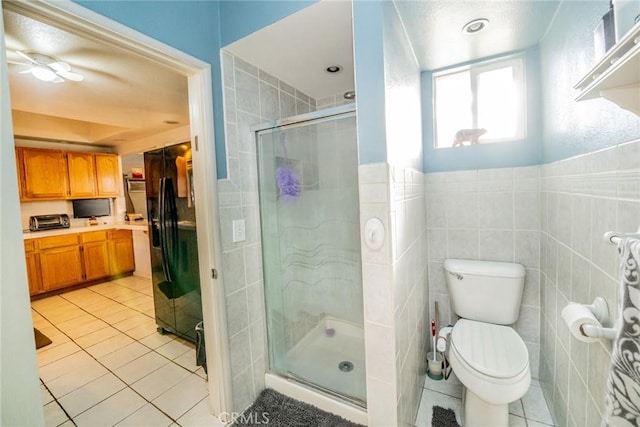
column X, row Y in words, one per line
column 82, row 174
column 42, row 173
column 107, row 174
column 54, row 175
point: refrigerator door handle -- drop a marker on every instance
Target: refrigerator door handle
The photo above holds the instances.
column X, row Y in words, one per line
column 162, row 225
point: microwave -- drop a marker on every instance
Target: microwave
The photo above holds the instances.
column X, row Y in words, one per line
column 48, row 222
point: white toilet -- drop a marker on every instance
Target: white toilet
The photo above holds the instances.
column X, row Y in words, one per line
column 488, row 356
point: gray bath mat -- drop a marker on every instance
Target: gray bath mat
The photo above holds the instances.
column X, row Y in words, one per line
column 443, row 417
column 277, row 410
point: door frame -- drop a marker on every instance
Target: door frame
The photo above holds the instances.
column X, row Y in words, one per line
column 73, row 17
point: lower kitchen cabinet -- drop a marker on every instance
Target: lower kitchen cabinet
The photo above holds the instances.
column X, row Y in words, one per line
column 58, row 262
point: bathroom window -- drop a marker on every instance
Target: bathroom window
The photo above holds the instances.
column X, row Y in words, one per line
column 480, row 103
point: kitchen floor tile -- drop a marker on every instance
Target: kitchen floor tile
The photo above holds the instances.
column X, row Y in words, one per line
column 200, row 415
column 141, row 367
column 148, row 415
column 83, row 328
column 112, row 410
column 119, row 316
column 187, row 360
column 124, row 355
column 159, row 381
column 175, row 348
column 48, row 355
column 176, row 401
column 156, row 340
column 109, row 345
column 81, row 375
column 97, row 337
column 143, row 330
column 91, row 394
column 54, row 415
column 65, row 365
column 46, row 396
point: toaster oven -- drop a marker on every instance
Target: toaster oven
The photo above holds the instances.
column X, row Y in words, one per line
column 48, row 222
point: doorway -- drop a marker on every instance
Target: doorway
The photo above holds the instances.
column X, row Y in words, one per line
column 198, row 73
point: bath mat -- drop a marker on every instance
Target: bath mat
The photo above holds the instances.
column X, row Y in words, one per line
column 277, row 410
column 443, row 417
column 41, row 339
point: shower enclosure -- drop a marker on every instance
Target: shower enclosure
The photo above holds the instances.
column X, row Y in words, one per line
column 309, row 211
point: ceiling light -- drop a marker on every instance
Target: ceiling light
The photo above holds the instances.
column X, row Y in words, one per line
column 333, row 69
column 48, row 68
column 475, row 26
column 44, row 73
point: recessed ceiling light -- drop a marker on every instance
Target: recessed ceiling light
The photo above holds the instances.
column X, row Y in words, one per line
column 333, row 69
column 475, row 26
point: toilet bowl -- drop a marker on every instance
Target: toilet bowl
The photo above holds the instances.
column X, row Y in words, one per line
column 492, row 362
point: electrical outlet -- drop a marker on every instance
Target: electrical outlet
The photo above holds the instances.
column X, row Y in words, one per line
column 238, row 231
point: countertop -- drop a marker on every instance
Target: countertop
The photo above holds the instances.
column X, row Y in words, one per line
column 126, row 225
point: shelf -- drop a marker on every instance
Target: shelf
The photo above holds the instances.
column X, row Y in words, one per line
column 617, row 76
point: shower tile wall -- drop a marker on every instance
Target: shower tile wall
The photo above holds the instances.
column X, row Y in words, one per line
column 395, row 296
column 490, row 214
column 581, row 199
column 251, row 96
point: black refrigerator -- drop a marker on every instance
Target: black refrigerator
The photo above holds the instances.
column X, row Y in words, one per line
column 172, row 237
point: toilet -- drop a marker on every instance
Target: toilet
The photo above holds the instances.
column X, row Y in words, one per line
column 486, row 354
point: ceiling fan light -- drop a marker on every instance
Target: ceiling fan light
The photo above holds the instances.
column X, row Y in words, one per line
column 43, row 73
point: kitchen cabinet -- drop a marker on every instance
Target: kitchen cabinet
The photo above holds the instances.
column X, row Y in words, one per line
column 60, row 175
column 82, row 173
column 121, row 252
column 107, row 175
column 57, row 262
column 95, row 255
column 60, row 261
column 42, row 173
column 33, row 268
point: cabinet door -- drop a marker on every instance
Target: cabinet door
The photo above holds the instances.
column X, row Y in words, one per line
column 60, row 267
column 96, row 260
column 44, row 174
column 121, row 254
column 107, row 174
column 82, row 174
column 33, row 273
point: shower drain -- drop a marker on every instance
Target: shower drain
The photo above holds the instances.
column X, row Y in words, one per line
column 345, row 366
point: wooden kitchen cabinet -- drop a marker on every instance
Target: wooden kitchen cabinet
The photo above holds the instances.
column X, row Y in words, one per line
column 33, row 267
column 95, row 255
column 60, row 261
column 121, row 252
column 42, row 174
column 107, row 175
column 82, row 174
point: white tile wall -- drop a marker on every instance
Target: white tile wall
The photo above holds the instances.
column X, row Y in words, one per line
column 581, row 199
column 490, row 214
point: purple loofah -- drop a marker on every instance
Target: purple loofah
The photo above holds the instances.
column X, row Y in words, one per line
column 288, row 183
column 330, row 332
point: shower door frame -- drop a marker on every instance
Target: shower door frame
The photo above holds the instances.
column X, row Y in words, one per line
column 319, row 116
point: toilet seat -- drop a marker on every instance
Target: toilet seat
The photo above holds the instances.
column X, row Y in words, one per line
column 490, row 360
column 492, row 350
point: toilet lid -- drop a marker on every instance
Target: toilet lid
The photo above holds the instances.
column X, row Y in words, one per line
column 492, row 350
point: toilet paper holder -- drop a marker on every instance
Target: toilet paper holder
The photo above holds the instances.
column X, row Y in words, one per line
column 600, row 310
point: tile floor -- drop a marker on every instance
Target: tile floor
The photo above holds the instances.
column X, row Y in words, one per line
column 530, row 411
column 109, row 366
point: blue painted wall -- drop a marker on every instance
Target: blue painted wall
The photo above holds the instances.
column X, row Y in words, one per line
column 238, row 19
column 190, row 26
column 507, row 154
column 570, row 127
column 368, row 25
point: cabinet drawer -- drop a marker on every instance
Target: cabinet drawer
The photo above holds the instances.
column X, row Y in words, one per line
column 119, row 234
column 94, row 236
column 29, row 245
column 58, row 241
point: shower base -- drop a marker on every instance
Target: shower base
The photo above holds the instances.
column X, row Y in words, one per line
column 328, row 361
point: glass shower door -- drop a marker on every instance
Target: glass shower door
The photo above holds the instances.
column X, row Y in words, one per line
column 309, row 209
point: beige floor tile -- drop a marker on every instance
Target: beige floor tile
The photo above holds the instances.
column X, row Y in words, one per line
column 174, row 349
column 120, row 315
column 159, row 381
column 143, row 330
column 112, row 410
column 64, row 365
column 124, row 355
column 141, row 367
column 200, row 415
column 182, row 397
column 109, row 345
column 84, row 328
column 54, row 415
column 148, row 415
column 97, row 337
column 91, row 394
column 76, row 378
column 132, row 322
column 187, row 360
column 156, row 340
column 51, row 353
column 46, row 396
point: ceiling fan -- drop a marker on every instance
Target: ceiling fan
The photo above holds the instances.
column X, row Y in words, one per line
column 48, row 68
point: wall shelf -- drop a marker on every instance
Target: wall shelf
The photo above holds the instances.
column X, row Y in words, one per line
column 616, row 77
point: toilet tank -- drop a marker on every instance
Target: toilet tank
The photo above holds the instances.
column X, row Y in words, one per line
column 485, row 291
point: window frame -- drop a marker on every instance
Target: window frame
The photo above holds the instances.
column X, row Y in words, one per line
column 518, row 62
